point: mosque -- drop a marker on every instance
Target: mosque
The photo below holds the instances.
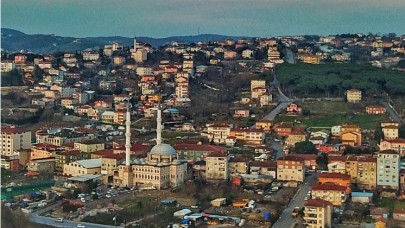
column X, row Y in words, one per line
column 161, row 169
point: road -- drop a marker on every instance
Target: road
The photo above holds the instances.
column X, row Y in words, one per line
column 393, row 114
column 65, row 223
column 289, row 56
column 285, row 220
column 278, row 148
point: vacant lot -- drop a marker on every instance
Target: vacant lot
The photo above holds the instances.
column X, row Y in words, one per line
column 325, row 114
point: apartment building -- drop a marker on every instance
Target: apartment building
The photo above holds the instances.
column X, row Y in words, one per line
column 291, row 168
column 388, row 169
column 367, row 173
column 238, row 165
column 217, row 166
column 41, row 166
column 318, row 213
column 218, row 133
column 249, row 136
column 332, row 193
column 13, row 139
column 82, row 167
column 394, row 144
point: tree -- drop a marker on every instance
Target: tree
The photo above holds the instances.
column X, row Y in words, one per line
column 322, row 161
column 378, row 134
column 401, row 132
column 305, row 147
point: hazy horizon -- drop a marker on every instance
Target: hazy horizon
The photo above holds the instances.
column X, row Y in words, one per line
column 160, row 19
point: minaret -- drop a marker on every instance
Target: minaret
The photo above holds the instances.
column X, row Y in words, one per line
column 128, row 137
column 128, row 176
column 159, row 126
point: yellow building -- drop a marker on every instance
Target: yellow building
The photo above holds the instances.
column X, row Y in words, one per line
column 353, row 96
column 66, row 157
column 257, row 84
column 318, row 213
column 351, row 138
column 218, row 133
column 291, row 168
column 89, row 146
column 82, row 167
column 332, row 193
column 264, row 124
column 238, row 165
column 352, row 168
column 217, row 166
column 13, row 139
column 310, row 59
column 390, row 132
column 350, row 128
column 367, row 173
column 42, row 150
column 295, row 137
column 249, row 136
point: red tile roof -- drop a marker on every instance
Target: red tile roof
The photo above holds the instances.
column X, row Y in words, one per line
column 217, row 154
column 388, row 152
column 269, row 164
column 328, row 187
column 335, row 175
column 196, row 147
column 12, row 130
column 400, row 140
column 317, row 203
column 291, row 158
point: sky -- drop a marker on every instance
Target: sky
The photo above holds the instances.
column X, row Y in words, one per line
column 164, row 18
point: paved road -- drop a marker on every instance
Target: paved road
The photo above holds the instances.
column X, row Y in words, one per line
column 65, row 223
column 278, row 148
column 393, row 114
column 289, row 56
column 285, row 220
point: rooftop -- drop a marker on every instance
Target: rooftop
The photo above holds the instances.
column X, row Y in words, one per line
column 335, row 175
column 317, row 203
column 329, row 187
column 90, row 163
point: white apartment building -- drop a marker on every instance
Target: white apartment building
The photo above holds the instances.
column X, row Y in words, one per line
column 388, row 169
column 13, row 139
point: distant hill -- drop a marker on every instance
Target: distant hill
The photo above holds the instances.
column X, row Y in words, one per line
column 16, row 41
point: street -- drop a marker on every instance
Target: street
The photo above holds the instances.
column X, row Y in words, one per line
column 393, row 114
column 65, row 223
column 285, row 220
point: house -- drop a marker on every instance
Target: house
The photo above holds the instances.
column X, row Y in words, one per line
column 264, row 125
column 196, row 152
column 248, row 135
column 362, row 197
column 290, row 168
column 296, row 136
column 309, row 160
column 267, row 168
column 10, row 162
column 398, row 214
column 337, row 166
column 108, row 117
column 41, row 166
column 82, row 167
column 243, row 113
column 351, row 138
column 217, row 132
column 318, row 213
column 89, row 146
column 333, row 193
column 353, row 95
column 390, row 132
column 335, row 178
column 379, row 212
column 336, row 130
column 238, row 165
column 68, row 156
column 217, row 164
column 283, row 128
column 375, row 109
column 394, row 144
column 293, row 109
column 199, row 170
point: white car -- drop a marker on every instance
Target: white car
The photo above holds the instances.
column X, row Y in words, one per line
column 81, row 226
column 108, row 196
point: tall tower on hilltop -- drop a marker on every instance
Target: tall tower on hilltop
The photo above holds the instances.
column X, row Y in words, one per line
column 128, row 174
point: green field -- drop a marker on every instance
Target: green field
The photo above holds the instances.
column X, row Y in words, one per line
column 365, row 121
column 334, row 78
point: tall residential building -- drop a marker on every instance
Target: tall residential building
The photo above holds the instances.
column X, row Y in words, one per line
column 318, row 213
column 217, row 166
column 388, row 169
column 291, row 168
column 13, row 139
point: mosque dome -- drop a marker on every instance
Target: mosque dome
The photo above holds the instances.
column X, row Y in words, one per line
column 163, row 149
